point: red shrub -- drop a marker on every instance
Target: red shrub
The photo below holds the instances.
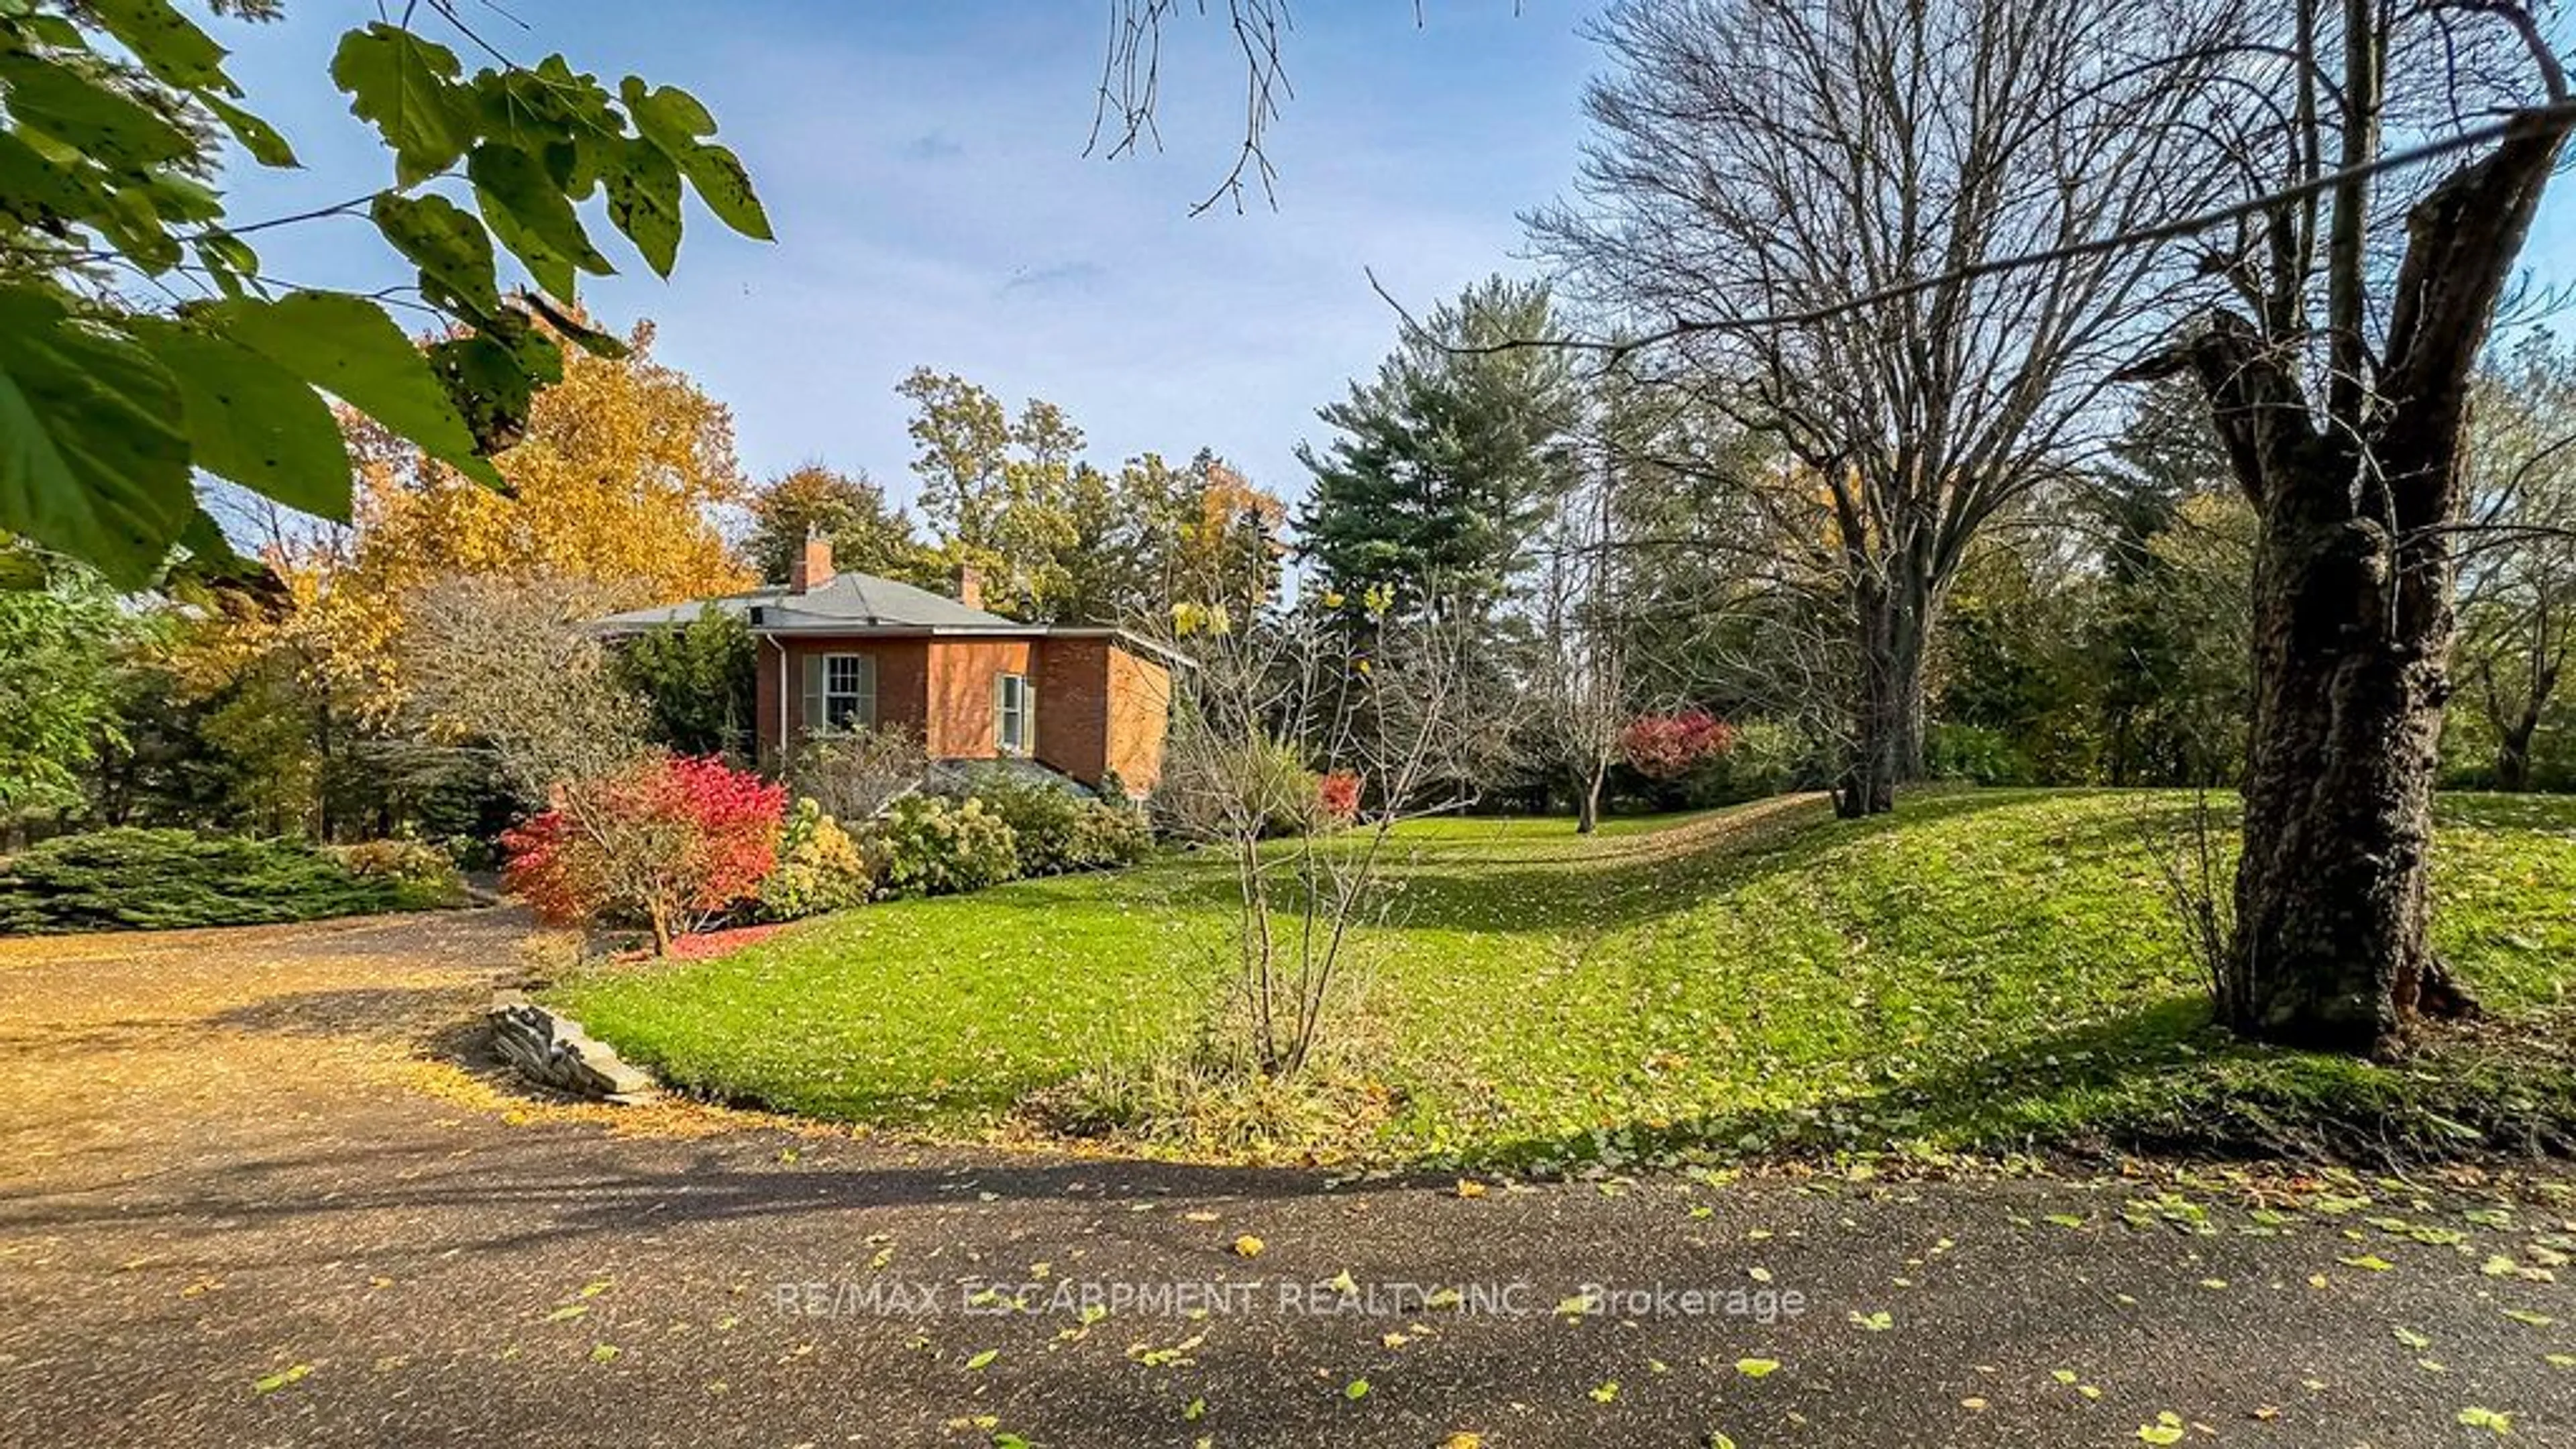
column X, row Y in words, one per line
column 672, row 840
column 1338, row 791
column 1666, row 746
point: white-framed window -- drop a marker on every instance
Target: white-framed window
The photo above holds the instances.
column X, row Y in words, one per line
column 840, row 692
column 1014, row 714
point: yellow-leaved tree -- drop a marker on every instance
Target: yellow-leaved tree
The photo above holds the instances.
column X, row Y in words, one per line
column 612, row 488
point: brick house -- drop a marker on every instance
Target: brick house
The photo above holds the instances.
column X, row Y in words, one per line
column 843, row 650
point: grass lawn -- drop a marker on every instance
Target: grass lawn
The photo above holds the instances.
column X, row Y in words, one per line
column 1989, row 971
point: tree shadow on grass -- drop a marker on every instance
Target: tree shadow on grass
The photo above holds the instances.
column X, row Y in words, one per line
column 2160, row 1079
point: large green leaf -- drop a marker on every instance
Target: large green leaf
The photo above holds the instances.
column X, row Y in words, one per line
column 449, row 246
column 407, row 86
column 258, row 137
column 168, row 43
column 252, row 421
column 34, row 190
column 349, row 348
column 644, row 202
column 127, row 219
column 53, row 30
column 228, row 261
column 494, row 376
column 92, row 462
column 535, row 108
column 667, row 116
column 115, row 130
column 673, row 120
column 725, row 187
column 180, row 198
column 211, row 556
column 526, row 208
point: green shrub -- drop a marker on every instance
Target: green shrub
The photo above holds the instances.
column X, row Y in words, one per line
column 697, row 681
column 930, row 845
column 1966, row 752
column 424, row 876
column 1764, row 759
column 1107, row 836
column 1056, row 830
column 167, row 879
column 820, row 868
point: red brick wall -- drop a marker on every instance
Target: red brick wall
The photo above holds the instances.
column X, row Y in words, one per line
column 1139, row 715
column 1073, row 718
column 903, row 670
column 1099, row 707
column 961, row 693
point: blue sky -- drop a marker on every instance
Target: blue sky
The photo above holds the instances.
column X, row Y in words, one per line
column 922, row 165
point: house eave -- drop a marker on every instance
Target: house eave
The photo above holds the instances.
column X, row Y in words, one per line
column 842, row 629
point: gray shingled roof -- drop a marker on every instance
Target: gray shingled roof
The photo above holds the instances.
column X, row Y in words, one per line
column 849, row 602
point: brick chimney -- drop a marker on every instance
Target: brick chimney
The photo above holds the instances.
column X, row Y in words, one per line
column 813, row 569
column 970, row 586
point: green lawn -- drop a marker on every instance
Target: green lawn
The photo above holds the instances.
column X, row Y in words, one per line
column 1990, row 970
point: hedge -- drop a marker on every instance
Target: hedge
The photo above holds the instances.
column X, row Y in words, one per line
column 168, row 879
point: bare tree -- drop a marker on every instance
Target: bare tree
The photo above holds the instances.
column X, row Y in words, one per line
column 854, row 775
column 1131, row 87
column 1268, row 702
column 1768, row 181
column 2339, row 378
column 1582, row 684
column 504, row 665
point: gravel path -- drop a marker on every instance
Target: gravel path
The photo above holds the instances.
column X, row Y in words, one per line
column 246, row 1199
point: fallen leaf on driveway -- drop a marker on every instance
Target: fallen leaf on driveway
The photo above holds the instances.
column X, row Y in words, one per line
column 271, row 1383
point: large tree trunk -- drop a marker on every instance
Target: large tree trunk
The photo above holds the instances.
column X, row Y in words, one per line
column 2351, row 671
column 2353, row 619
column 1887, row 709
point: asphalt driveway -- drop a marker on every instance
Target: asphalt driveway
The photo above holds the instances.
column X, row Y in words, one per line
column 247, row 1198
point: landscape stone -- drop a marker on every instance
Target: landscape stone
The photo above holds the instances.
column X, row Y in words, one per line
column 553, row 1051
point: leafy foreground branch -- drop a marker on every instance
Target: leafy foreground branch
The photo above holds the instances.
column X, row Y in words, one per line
column 107, row 165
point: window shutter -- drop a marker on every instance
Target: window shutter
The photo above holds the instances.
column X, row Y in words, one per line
column 867, row 712
column 813, row 693
column 1029, row 715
